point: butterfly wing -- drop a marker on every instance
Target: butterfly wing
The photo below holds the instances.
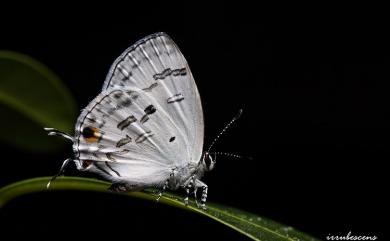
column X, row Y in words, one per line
column 126, row 134
column 156, row 65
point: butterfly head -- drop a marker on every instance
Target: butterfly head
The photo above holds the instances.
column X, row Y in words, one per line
column 208, row 161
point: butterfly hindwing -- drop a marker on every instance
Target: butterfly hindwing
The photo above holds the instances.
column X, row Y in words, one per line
column 125, row 134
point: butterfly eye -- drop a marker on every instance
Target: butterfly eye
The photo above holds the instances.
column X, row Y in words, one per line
column 208, row 161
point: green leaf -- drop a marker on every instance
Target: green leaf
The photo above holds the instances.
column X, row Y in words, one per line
column 32, row 97
column 251, row 225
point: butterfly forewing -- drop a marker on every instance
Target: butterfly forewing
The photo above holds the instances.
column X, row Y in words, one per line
column 156, row 66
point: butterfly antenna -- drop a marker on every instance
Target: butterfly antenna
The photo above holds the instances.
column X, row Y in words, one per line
column 55, row 132
column 231, row 155
column 225, row 128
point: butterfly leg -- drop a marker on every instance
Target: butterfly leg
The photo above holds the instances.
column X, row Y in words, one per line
column 204, row 187
column 188, row 188
column 166, row 184
column 62, row 169
column 162, row 190
column 196, row 196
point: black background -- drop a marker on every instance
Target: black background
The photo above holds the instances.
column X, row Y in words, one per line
column 315, row 93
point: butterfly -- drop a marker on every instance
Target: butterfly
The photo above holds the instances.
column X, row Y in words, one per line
column 146, row 127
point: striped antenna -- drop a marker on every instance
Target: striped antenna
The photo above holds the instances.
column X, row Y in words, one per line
column 231, row 155
column 225, row 128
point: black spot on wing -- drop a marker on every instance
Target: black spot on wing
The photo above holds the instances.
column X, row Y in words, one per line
column 150, row 110
column 177, row 72
column 88, row 132
column 175, row 98
column 123, row 141
column 126, row 102
column 151, row 87
column 110, row 157
column 167, row 72
column 162, row 75
column 144, row 119
column 126, row 122
column 118, row 94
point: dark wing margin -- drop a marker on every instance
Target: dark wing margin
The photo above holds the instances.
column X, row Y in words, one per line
column 121, row 58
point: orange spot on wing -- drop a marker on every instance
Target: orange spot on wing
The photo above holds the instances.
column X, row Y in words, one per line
column 91, row 134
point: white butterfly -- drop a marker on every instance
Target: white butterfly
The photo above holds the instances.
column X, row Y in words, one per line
column 146, row 128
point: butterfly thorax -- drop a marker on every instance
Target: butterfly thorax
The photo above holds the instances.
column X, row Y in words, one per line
column 181, row 175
